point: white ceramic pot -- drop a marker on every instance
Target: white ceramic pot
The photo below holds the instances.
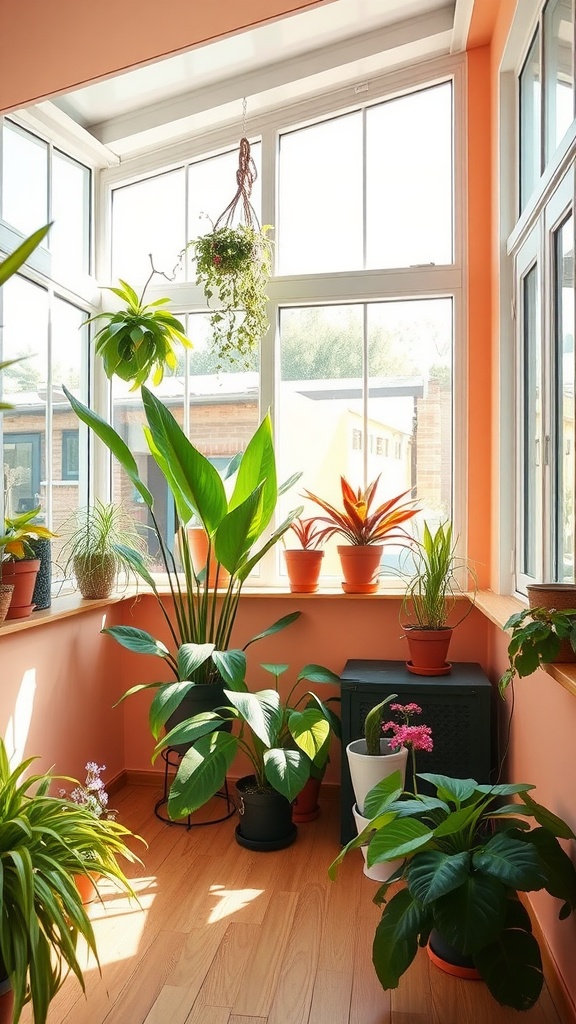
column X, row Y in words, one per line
column 366, row 771
column 378, row 872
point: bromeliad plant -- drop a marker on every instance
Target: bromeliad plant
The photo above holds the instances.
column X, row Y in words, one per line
column 307, row 532
column 537, row 635
column 138, row 339
column 466, row 854
column 198, row 613
column 358, row 523
column 285, row 741
column 44, row 842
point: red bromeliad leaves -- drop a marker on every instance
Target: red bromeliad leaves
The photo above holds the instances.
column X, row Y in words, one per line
column 307, row 531
column 357, row 524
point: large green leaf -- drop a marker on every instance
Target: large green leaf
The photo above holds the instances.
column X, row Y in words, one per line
column 511, row 965
column 319, row 674
column 400, row 837
column 515, row 863
column 137, row 640
column 16, row 259
column 201, row 773
column 261, row 711
column 286, row 770
column 557, row 826
column 378, row 798
column 456, row 790
column 114, row 442
column 309, row 730
column 471, row 916
column 505, row 788
column 457, row 821
column 195, row 477
column 233, row 537
column 184, row 508
column 189, row 731
column 191, row 657
column 232, row 667
column 168, row 698
column 431, row 874
column 558, row 866
column 274, row 537
column 396, row 938
column 258, row 466
column 276, row 627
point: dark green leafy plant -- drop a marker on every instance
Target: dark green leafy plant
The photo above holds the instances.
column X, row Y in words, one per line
column 283, row 740
column 465, row 857
column 233, row 264
column 44, row 841
column 138, row 340
column 537, row 635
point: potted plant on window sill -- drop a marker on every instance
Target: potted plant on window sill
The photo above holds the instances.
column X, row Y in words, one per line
column 430, row 600
column 303, row 564
column 19, row 566
column 97, row 537
column 282, row 740
column 365, row 530
column 465, row 856
column 540, row 636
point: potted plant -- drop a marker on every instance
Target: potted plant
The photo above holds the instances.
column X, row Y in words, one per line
column 303, row 564
column 364, row 528
column 138, row 339
column 539, row 636
column 97, row 537
column 44, row 842
column 465, row 856
column 234, row 265
column 92, row 796
column 19, row 564
column 197, row 613
column 431, row 599
column 281, row 739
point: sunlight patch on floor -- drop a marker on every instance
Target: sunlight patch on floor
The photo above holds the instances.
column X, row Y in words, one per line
column 231, row 901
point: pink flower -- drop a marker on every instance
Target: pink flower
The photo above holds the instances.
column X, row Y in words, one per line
column 407, row 709
column 417, row 737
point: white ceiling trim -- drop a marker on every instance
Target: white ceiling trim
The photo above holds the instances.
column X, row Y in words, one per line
column 462, row 19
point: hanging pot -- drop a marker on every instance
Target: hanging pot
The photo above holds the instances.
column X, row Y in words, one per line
column 428, row 650
column 303, row 566
column 305, row 806
column 449, row 960
column 200, row 698
column 265, row 817
column 22, row 575
column 360, row 567
column 198, row 544
column 377, row 872
column 6, row 591
column 367, row 770
column 562, row 597
column 95, row 575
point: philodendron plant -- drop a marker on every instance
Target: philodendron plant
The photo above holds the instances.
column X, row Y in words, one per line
column 283, row 739
column 466, row 853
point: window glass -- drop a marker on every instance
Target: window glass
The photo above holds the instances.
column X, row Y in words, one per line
column 24, row 192
column 70, row 234
column 530, row 120
column 559, row 64
column 564, row 463
column 69, row 351
column 320, row 211
column 409, row 179
column 532, row 424
column 148, row 218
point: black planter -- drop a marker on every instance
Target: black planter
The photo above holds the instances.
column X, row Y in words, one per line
column 265, row 817
column 449, row 959
column 200, row 698
column 42, row 596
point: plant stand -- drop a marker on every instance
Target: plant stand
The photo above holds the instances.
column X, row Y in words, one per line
column 172, row 757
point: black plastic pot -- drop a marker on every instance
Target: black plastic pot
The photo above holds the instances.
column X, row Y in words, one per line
column 200, row 698
column 450, row 960
column 265, row 817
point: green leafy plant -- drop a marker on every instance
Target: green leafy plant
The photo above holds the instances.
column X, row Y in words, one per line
column 431, row 592
column 138, row 340
column 101, row 541
column 233, row 264
column 537, row 635
column 465, row 857
column 283, row 741
column 358, row 523
column 197, row 613
column 18, row 531
column 44, row 841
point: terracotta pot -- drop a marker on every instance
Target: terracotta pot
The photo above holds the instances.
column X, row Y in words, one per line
column 360, row 567
column 198, row 543
column 450, row 960
column 86, row 885
column 305, row 806
column 562, row 597
column 6, row 591
column 377, row 872
column 367, row 770
column 428, row 650
column 95, row 575
column 22, row 575
column 303, row 566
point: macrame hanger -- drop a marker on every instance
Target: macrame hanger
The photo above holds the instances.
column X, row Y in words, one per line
column 245, row 177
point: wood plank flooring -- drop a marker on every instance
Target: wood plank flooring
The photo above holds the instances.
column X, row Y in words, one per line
column 227, row 936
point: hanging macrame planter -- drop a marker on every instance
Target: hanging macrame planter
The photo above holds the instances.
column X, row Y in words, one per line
column 233, row 265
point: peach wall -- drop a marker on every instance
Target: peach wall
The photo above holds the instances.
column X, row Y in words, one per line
column 59, row 682
column 52, row 46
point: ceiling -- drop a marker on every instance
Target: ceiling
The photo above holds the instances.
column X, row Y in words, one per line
column 341, row 44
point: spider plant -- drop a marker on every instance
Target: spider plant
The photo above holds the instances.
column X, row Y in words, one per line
column 430, row 597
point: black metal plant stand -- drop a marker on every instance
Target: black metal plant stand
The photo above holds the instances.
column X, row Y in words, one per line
column 172, row 757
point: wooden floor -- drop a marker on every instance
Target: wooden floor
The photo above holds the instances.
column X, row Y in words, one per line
column 227, row 936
